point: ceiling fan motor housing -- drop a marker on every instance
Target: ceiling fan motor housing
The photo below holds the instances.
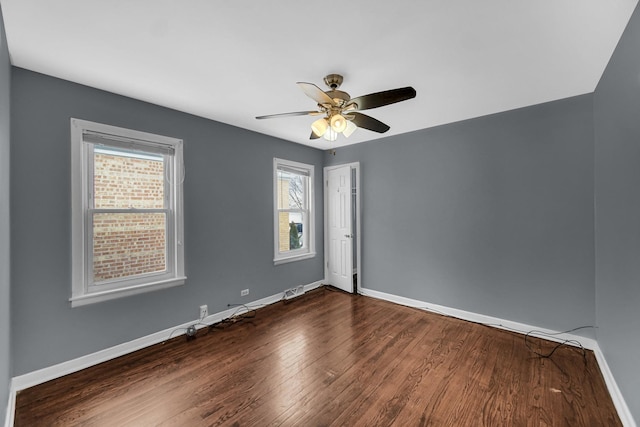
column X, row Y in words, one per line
column 339, row 97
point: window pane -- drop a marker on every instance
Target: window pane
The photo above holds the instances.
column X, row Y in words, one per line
column 291, row 190
column 293, row 230
column 128, row 244
column 124, row 179
column 290, row 231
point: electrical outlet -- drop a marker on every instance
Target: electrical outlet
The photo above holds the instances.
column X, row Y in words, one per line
column 244, row 292
column 204, row 311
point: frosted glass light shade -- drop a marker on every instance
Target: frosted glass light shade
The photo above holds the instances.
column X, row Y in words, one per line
column 330, row 135
column 338, row 123
column 350, row 129
column 319, row 127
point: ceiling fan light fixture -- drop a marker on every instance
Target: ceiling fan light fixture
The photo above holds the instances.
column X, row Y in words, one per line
column 338, row 123
column 319, row 127
column 330, row 135
column 350, row 129
column 350, row 107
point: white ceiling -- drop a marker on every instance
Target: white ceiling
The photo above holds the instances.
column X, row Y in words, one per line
column 230, row 61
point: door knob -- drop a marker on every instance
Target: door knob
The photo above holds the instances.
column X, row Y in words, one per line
column 348, row 236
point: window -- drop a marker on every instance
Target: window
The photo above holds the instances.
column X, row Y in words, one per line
column 127, row 225
column 293, row 213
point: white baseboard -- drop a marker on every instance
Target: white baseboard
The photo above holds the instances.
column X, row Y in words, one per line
column 618, row 400
column 509, row 325
column 496, row 322
column 40, row 376
column 11, row 408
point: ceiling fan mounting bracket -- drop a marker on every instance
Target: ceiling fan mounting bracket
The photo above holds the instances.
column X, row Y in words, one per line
column 333, row 81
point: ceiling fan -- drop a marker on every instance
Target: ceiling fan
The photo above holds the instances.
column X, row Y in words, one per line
column 340, row 112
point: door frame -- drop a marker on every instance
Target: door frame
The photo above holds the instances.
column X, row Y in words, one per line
column 354, row 166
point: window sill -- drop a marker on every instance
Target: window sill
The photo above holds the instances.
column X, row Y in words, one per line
column 293, row 258
column 95, row 297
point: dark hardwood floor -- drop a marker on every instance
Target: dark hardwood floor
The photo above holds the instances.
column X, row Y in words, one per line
column 330, row 358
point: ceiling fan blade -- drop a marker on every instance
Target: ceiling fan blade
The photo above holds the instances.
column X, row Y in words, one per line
column 368, row 122
column 315, row 93
column 313, row 135
column 379, row 99
column 295, row 113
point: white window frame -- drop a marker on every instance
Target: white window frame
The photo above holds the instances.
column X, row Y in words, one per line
column 308, row 250
column 84, row 135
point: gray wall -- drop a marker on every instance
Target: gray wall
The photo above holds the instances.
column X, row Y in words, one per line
column 492, row 215
column 228, row 221
column 5, row 331
column 617, row 189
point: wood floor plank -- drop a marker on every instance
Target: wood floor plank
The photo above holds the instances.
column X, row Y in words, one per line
column 331, row 358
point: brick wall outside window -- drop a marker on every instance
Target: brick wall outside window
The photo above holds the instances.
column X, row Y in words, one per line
column 128, row 244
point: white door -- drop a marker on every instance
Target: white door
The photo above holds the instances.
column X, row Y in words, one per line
column 339, row 233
